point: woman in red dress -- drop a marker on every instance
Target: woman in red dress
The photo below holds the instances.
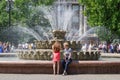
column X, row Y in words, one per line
column 56, row 47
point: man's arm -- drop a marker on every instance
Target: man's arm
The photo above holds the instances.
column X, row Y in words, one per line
column 70, row 54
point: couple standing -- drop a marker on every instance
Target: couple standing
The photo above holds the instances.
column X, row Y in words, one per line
column 56, row 47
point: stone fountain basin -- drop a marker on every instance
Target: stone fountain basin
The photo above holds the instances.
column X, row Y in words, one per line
column 46, row 54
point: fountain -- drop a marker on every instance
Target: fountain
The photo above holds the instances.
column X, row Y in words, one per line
column 59, row 17
column 39, row 60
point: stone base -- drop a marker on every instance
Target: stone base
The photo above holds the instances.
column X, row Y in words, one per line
column 45, row 67
column 46, row 54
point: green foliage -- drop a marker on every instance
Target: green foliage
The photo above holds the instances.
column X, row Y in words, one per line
column 26, row 13
column 106, row 34
column 21, row 12
column 103, row 13
column 3, row 14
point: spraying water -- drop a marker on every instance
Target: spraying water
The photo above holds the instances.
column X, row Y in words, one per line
column 59, row 16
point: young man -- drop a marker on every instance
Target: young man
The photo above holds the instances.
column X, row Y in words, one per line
column 67, row 58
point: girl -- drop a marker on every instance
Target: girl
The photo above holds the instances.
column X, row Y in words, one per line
column 56, row 47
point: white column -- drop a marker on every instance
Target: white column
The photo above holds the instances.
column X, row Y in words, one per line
column 85, row 22
column 70, row 23
column 80, row 25
column 82, row 20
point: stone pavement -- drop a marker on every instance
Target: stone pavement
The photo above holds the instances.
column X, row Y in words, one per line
column 59, row 77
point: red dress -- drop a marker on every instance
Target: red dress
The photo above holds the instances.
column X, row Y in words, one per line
column 56, row 56
column 56, row 51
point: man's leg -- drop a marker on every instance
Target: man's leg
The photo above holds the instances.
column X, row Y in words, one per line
column 67, row 64
column 63, row 64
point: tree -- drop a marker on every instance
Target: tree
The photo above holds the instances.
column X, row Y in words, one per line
column 105, row 34
column 21, row 11
column 3, row 14
column 27, row 14
column 103, row 13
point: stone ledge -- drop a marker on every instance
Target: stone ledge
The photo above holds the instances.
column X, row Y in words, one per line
column 8, row 54
column 110, row 55
column 45, row 67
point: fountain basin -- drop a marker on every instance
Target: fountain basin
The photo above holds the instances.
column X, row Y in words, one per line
column 46, row 54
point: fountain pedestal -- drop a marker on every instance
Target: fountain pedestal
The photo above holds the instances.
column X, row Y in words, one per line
column 59, row 34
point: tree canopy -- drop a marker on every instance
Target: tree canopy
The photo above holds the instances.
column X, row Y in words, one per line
column 104, row 13
column 20, row 11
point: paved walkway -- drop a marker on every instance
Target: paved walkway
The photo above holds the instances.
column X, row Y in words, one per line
column 59, row 77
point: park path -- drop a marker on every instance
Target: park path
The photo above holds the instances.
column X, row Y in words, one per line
column 59, row 77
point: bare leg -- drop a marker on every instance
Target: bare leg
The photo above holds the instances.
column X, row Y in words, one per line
column 54, row 66
column 58, row 66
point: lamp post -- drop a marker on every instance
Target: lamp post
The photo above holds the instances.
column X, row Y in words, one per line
column 9, row 7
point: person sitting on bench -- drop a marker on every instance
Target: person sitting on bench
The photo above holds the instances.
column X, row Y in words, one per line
column 67, row 58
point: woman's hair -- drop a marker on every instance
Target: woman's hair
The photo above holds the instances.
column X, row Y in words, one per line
column 56, row 46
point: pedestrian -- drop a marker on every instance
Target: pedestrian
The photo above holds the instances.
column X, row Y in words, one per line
column 1, row 47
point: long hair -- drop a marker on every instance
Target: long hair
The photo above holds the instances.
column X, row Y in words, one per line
column 56, row 47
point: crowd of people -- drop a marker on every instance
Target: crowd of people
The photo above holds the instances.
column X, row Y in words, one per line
column 6, row 47
column 105, row 48
column 26, row 46
column 110, row 48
